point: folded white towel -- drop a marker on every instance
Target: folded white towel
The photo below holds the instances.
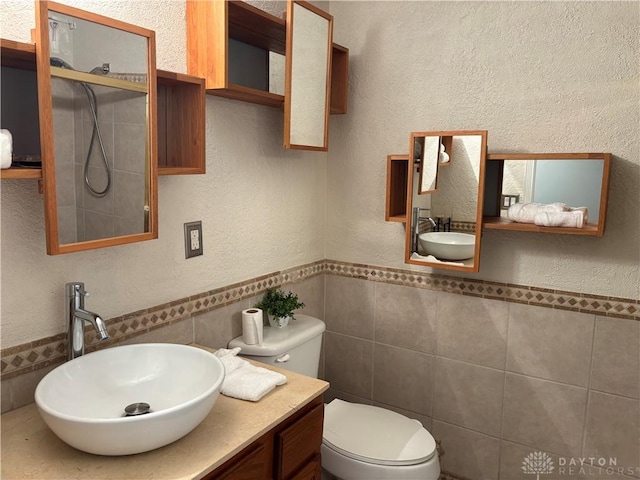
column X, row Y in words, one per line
column 431, row 258
column 573, row 219
column 245, row 381
column 526, row 212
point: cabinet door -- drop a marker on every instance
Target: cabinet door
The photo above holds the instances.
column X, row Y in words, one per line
column 307, row 77
column 310, row 471
column 254, row 465
column 299, row 442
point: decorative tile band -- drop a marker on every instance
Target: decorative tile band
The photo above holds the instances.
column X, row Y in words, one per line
column 45, row 352
column 42, row 353
column 595, row 304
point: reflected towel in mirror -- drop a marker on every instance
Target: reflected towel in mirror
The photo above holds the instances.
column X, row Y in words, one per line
column 526, row 212
column 573, row 219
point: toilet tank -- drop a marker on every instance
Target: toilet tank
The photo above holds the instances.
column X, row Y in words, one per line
column 295, row 347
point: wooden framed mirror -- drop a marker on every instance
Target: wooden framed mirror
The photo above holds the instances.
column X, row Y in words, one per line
column 577, row 180
column 97, row 97
column 307, row 77
column 445, row 203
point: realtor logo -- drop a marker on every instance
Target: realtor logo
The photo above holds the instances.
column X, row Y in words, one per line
column 537, row 463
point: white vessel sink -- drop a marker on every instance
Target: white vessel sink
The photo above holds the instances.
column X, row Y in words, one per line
column 83, row 401
column 448, row 245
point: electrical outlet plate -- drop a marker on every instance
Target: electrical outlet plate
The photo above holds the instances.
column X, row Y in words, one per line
column 193, row 239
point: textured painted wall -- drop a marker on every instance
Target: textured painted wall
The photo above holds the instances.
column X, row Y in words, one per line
column 262, row 207
column 539, row 76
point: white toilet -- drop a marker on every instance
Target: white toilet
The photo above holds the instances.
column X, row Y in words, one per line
column 360, row 442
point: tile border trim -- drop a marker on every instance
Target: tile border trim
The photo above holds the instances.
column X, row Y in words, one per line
column 42, row 353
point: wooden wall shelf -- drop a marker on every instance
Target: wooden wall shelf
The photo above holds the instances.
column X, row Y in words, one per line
column 397, row 178
column 210, row 25
column 21, row 56
column 181, row 116
column 181, row 124
column 500, row 223
column 492, row 220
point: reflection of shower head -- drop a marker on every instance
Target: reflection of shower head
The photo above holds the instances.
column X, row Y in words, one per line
column 58, row 62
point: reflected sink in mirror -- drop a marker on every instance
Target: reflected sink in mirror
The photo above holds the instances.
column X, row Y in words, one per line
column 448, row 245
column 84, row 400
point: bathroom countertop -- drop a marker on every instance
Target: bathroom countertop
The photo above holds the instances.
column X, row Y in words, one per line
column 31, row 451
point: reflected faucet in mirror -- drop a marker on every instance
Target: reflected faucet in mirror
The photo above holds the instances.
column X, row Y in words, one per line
column 76, row 316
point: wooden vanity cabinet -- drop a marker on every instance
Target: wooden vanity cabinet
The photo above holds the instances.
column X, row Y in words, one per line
column 290, row 451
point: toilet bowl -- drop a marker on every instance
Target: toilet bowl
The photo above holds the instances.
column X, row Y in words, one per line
column 360, row 442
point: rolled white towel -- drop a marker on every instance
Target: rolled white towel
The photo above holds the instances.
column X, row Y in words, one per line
column 584, row 210
column 245, row 381
column 526, row 212
column 573, row 219
column 6, row 148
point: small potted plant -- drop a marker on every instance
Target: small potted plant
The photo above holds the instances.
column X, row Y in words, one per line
column 279, row 306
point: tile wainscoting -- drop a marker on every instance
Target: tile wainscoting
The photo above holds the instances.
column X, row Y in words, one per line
column 494, row 370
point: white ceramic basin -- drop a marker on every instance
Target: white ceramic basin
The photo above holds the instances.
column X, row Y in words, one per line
column 448, row 245
column 83, row 400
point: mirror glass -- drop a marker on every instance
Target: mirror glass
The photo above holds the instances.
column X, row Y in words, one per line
column 443, row 222
column 99, row 170
column 577, row 183
column 427, row 150
column 308, row 74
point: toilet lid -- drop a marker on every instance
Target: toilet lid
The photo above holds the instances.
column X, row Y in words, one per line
column 375, row 435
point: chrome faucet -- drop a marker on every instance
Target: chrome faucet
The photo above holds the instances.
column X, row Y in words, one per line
column 76, row 315
column 417, row 218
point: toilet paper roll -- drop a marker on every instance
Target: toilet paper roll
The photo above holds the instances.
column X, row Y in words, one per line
column 252, row 326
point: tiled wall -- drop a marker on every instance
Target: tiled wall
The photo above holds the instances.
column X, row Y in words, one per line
column 493, row 380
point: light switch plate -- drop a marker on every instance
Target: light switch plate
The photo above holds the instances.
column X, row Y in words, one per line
column 193, row 239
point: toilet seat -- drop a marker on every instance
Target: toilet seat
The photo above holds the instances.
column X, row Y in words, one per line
column 375, row 435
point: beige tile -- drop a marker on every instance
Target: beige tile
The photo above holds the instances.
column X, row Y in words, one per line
column 311, row 293
column 469, row 396
column 543, row 414
column 550, row 344
column 472, row 329
column 349, row 306
column 217, row 327
column 403, row 378
column 180, row 332
column 347, row 397
column 426, row 421
column 519, row 462
column 128, row 194
column 6, row 403
column 97, row 225
column 65, row 185
column 348, row 364
column 616, row 357
column 96, row 159
column 405, row 317
column 129, row 147
column 613, row 430
column 130, row 107
column 467, row 454
column 23, row 387
column 67, row 225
